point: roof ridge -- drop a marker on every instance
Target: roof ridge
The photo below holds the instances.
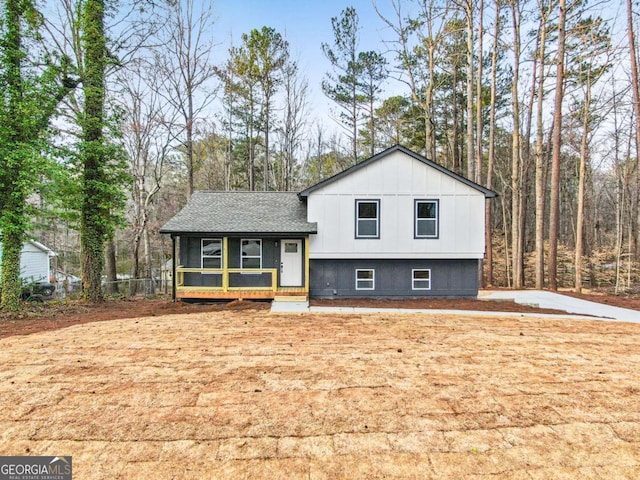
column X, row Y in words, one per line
column 245, row 191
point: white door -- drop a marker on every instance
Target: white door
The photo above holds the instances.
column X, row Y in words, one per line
column 291, row 263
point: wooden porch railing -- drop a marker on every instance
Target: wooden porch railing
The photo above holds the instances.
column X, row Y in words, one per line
column 225, row 279
column 225, row 274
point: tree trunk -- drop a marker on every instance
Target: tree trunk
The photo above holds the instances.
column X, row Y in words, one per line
column 619, row 191
column 492, row 147
column 265, row 165
column 92, row 222
column 584, row 155
column 479, row 103
column 516, row 160
column 457, row 162
column 471, row 173
column 635, row 88
column 539, row 175
column 11, row 287
column 12, row 187
column 189, row 143
column 554, row 208
column 136, row 254
column 147, row 268
column 111, row 268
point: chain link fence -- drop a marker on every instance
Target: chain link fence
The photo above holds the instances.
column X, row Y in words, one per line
column 132, row 287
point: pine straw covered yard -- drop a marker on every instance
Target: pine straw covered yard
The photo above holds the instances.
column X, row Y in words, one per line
column 249, row 394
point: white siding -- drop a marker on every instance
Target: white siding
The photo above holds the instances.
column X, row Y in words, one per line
column 34, row 263
column 397, row 180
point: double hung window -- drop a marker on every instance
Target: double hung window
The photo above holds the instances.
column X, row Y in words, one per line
column 421, row 279
column 211, row 249
column 365, row 279
column 251, row 253
column 367, row 218
column 426, row 218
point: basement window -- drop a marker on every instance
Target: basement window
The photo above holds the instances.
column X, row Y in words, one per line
column 365, row 279
column 421, row 279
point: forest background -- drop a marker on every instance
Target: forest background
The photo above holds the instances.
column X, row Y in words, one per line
column 116, row 111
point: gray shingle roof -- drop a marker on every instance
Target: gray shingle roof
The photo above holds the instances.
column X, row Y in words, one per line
column 242, row 212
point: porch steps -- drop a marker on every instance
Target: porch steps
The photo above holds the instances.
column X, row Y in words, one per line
column 290, row 304
column 290, row 298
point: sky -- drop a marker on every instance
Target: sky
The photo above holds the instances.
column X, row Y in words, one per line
column 305, row 24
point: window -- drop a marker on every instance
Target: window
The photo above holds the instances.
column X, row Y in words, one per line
column 365, row 279
column 421, row 279
column 290, row 247
column 426, row 215
column 367, row 218
column 211, row 253
column 251, row 254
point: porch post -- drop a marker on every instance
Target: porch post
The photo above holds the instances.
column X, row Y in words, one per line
column 174, row 264
column 225, row 264
column 306, row 264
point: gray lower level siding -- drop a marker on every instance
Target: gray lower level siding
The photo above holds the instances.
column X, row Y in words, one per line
column 393, row 278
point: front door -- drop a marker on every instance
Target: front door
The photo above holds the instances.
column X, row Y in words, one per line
column 291, row 263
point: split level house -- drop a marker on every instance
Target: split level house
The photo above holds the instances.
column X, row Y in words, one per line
column 394, row 225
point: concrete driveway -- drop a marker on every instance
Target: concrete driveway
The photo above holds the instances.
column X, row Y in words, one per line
column 557, row 301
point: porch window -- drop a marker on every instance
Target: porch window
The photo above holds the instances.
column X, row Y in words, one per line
column 421, row 279
column 211, row 253
column 367, row 218
column 251, row 253
column 426, row 219
column 365, row 279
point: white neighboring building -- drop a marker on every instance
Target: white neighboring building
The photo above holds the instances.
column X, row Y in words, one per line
column 35, row 262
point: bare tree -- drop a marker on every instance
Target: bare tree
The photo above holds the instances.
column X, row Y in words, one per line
column 291, row 132
column 418, row 57
column 147, row 139
column 186, row 70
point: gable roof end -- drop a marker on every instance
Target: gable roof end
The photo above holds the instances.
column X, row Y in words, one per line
column 487, row 193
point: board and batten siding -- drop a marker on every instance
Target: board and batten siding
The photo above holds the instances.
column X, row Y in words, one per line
column 397, row 180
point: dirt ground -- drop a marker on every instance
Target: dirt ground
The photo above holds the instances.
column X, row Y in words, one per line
column 38, row 317
column 251, row 394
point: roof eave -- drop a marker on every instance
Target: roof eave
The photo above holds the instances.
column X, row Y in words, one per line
column 239, row 234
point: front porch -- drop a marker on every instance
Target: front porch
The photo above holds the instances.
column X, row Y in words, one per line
column 233, row 245
column 228, row 268
column 236, row 283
